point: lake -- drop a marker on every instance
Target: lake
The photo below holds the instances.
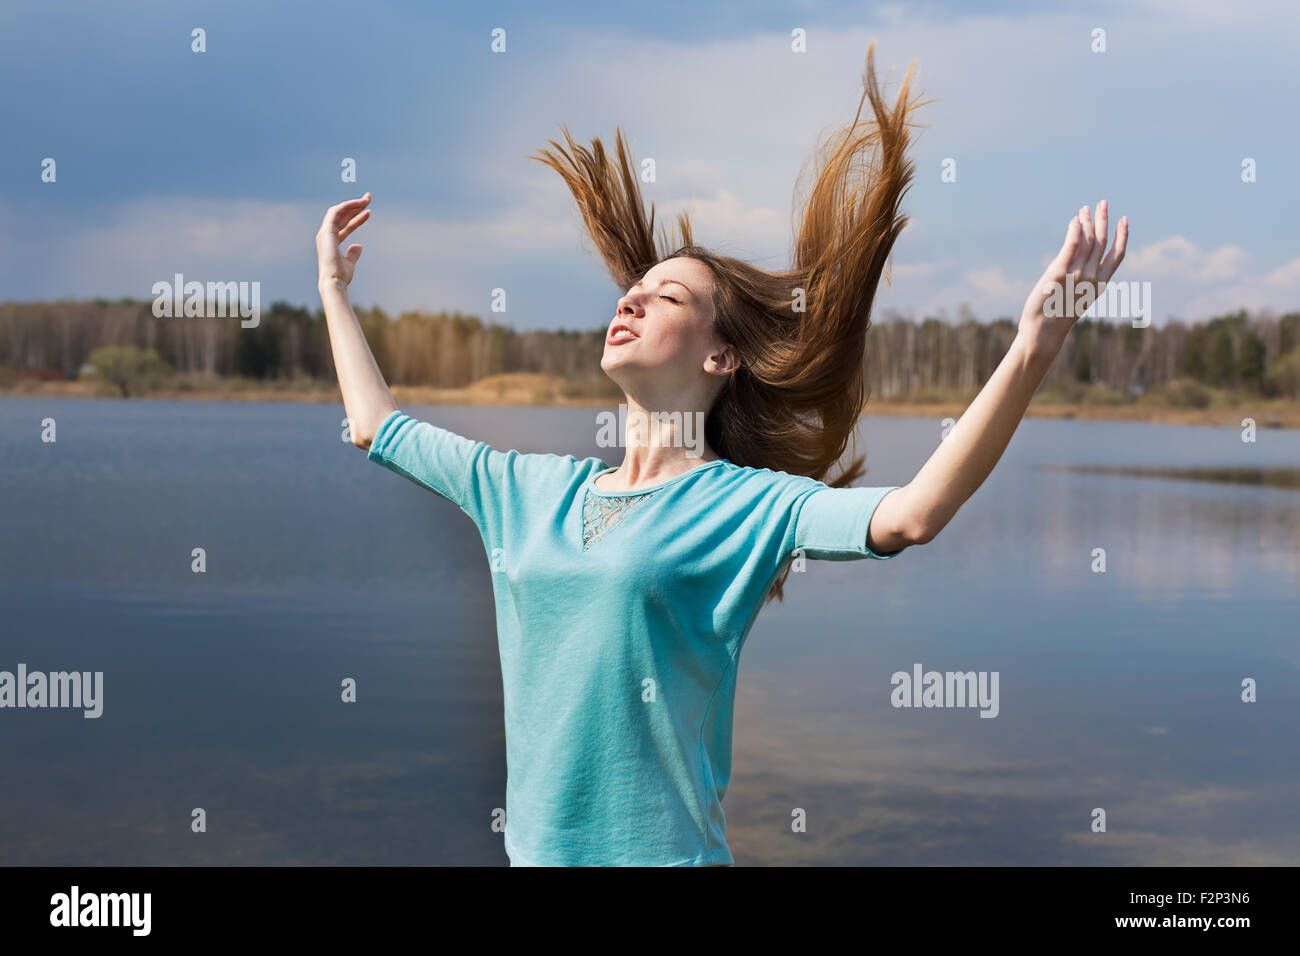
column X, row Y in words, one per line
column 1119, row 690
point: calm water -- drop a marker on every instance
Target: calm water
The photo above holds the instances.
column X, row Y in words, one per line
column 1118, row 690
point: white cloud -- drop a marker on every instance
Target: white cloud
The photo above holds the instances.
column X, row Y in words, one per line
column 1276, row 14
column 715, row 122
column 912, row 270
column 730, row 124
column 408, row 260
column 728, row 225
column 1285, row 276
column 991, row 282
column 1177, row 257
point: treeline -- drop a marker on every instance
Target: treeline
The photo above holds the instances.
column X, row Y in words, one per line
column 1259, row 356
column 905, row 359
column 447, row 350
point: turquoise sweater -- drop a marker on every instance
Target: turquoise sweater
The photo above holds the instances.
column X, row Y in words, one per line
column 620, row 619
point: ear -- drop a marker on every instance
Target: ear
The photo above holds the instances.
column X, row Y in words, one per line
column 722, row 361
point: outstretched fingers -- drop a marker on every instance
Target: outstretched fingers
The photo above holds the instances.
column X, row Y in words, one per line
column 1100, row 238
column 346, row 216
column 1110, row 262
column 1084, row 255
column 1069, row 249
column 351, row 227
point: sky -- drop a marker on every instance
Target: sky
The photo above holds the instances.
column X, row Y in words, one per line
column 219, row 165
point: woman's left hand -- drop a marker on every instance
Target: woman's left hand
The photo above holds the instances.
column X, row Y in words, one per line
column 1072, row 282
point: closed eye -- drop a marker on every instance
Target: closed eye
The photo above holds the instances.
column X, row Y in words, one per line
column 669, row 298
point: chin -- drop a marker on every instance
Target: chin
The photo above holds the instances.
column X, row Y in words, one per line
column 616, row 370
column 610, row 362
column 611, row 369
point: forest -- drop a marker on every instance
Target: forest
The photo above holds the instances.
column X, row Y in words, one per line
column 1105, row 362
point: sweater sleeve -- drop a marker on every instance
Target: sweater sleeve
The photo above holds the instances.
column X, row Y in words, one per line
column 493, row 487
column 832, row 523
column 460, row 469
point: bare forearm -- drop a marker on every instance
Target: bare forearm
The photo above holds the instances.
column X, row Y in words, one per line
column 916, row 513
column 366, row 398
column 976, row 443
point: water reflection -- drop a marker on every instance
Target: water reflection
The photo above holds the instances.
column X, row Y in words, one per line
column 1119, row 689
column 889, row 791
column 1267, row 477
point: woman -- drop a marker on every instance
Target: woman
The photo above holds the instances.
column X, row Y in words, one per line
column 624, row 594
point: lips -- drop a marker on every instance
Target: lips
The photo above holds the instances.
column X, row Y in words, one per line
column 620, row 334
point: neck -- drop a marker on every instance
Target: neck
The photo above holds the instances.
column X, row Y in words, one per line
column 659, row 444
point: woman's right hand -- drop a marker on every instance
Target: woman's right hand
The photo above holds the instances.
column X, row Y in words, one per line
column 339, row 223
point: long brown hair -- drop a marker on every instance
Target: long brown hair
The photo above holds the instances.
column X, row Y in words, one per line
column 794, row 402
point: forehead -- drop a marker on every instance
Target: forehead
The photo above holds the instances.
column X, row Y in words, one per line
column 694, row 273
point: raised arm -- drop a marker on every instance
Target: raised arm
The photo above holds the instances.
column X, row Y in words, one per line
column 917, row 512
column 366, row 398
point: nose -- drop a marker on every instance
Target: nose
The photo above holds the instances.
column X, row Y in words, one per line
column 628, row 305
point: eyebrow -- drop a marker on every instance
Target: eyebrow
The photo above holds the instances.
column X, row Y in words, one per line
column 664, row 282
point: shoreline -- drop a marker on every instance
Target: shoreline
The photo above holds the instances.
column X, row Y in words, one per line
column 527, row 391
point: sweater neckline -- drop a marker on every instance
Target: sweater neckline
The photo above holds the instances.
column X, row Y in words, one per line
column 591, row 481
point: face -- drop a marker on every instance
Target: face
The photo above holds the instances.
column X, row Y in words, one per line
column 663, row 331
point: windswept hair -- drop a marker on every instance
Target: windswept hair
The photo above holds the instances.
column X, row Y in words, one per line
column 794, row 402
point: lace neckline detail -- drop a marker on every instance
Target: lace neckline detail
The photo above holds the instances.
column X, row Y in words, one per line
column 602, row 513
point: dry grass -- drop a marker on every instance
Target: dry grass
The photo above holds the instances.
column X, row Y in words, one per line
column 550, row 390
column 1266, row 414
